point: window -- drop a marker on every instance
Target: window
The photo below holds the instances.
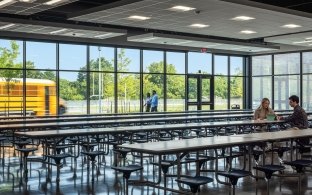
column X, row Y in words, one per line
column 199, row 62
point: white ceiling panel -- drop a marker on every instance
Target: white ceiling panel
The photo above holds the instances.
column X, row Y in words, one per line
column 215, row 13
column 28, row 8
column 55, row 29
column 196, row 42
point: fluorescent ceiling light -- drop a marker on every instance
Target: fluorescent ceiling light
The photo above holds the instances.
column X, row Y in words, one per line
column 7, row 26
column 52, row 2
column 214, row 45
column 291, row 26
column 247, row 32
column 58, row 31
column 308, row 38
column 181, row 8
column 182, row 42
column 149, row 38
column 4, row 3
column 298, row 42
column 102, row 35
column 135, row 17
column 26, row 1
column 242, row 18
column 199, row 25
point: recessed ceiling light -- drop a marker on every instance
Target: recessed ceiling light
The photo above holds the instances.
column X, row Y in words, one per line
column 58, row 31
column 242, row 18
column 248, row 32
column 6, row 2
column 199, row 25
column 52, row 2
column 7, row 26
column 181, row 8
column 291, row 26
column 102, row 35
column 135, row 17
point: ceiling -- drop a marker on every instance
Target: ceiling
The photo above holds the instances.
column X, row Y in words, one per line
column 107, row 22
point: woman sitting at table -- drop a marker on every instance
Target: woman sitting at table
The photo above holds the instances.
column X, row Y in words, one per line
column 263, row 110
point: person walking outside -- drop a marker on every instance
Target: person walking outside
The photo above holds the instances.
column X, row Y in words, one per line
column 154, row 102
column 148, row 102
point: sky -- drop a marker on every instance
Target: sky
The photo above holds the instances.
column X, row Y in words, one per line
column 72, row 57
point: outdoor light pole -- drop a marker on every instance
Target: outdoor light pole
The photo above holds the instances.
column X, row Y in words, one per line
column 100, row 82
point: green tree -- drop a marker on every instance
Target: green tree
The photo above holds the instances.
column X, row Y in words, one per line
column 236, row 84
column 154, row 81
column 221, row 88
column 10, row 70
column 175, row 84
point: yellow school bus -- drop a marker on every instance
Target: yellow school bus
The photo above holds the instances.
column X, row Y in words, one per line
column 40, row 97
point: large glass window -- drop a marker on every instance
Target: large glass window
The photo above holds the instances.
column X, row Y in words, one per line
column 175, row 93
column 128, row 60
column 261, row 88
column 102, row 82
column 236, row 91
column 11, row 77
column 199, row 62
column 80, row 86
column 154, row 82
column 307, row 62
column 285, row 86
column 153, row 61
column 262, row 65
column 287, row 63
column 221, row 92
column 236, row 66
column 221, row 82
column 38, row 58
column 220, row 65
column 128, row 93
column 236, row 83
column 72, row 57
column 73, row 85
column 73, row 91
column 306, row 102
column 13, row 49
column 106, row 56
column 175, row 63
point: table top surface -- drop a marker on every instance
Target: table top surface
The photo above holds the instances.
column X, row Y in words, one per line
column 145, row 128
column 197, row 144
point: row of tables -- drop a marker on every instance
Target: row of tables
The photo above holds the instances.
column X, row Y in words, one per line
column 161, row 147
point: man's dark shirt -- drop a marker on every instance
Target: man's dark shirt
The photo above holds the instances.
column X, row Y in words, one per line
column 298, row 119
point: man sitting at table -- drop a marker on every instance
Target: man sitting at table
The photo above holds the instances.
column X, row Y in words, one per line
column 299, row 118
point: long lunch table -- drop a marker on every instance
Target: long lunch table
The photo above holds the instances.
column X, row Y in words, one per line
column 58, row 118
column 146, row 128
column 181, row 147
column 117, row 122
column 177, row 147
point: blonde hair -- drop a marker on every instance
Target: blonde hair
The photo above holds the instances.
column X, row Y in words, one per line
column 262, row 102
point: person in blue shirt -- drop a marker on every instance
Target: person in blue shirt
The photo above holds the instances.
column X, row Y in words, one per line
column 154, row 102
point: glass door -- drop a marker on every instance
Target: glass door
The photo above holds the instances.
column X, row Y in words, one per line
column 199, row 92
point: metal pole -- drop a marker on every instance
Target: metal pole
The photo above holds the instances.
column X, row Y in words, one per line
column 100, row 82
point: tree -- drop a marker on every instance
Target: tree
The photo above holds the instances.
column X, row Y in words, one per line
column 155, row 80
column 10, row 70
column 221, row 88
